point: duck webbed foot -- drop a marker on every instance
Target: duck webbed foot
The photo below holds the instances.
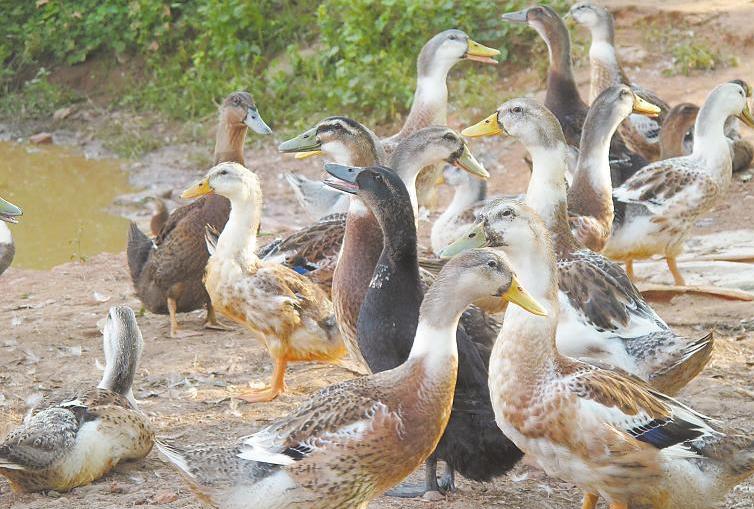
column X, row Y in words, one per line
column 211, row 322
column 430, row 489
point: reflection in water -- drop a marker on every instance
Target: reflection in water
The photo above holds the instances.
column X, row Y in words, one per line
column 64, row 197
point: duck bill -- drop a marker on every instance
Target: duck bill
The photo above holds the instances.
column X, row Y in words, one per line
column 9, row 212
column 304, row 142
column 645, row 107
column 467, row 162
column 517, row 16
column 306, row 155
column 474, row 239
column 254, row 121
column 481, row 53
column 746, row 116
column 518, row 295
column 199, row 189
column 342, row 177
column 487, row 127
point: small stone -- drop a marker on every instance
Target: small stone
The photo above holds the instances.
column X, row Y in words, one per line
column 165, row 497
column 53, row 494
column 433, row 496
column 62, row 113
column 41, row 138
column 116, row 487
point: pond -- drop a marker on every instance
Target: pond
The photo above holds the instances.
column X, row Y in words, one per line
column 65, row 198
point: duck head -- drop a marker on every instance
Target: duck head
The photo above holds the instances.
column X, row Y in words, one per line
column 447, row 48
column 548, row 24
column 239, row 109
column 231, row 180
column 340, row 138
column 595, row 18
column 433, row 145
column 613, row 106
column 9, row 212
column 480, row 273
column 736, row 95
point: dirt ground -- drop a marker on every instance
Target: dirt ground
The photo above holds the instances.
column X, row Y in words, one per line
column 51, row 340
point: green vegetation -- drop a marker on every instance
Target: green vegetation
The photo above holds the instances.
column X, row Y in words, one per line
column 698, row 56
column 300, row 59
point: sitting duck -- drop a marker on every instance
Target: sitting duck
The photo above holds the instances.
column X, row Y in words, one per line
column 167, row 271
column 562, row 97
column 471, row 443
column 288, row 313
column 354, row 440
column 430, row 107
column 75, row 442
column 641, row 132
column 665, row 199
column 677, row 136
column 9, row 213
column 605, row 431
column 602, row 316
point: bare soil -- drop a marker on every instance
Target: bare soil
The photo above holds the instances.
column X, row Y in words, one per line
column 51, row 340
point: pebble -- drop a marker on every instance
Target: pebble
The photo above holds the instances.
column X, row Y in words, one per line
column 433, row 496
column 165, row 497
column 43, row 138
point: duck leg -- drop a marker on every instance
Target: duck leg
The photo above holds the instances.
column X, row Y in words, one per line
column 277, row 385
column 211, row 321
column 673, row 266
column 590, row 501
column 172, row 306
column 630, row 269
column 448, row 481
column 411, row 490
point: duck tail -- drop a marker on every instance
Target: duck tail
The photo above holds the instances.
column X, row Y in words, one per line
column 696, row 356
column 139, row 246
column 175, row 456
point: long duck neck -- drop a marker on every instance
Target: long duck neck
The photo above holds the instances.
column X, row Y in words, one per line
column 121, row 359
column 430, row 106
column 605, row 68
column 546, row 193
column 710, row 145
column 407, row 162
column 239, row 238
column 229, row 142
column 592, row 188
column 562, row 94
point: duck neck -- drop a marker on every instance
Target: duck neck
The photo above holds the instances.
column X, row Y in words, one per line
column 238, row 239
column 527, row 339
column 229, row 142
column 467, row 193
column 562, row 93
column 546, row 193
column 407, row 164
column 121, row 358
column 710, row 144
column 435, row 339
column 5, row 235
column 399, row 235
column 430, row 106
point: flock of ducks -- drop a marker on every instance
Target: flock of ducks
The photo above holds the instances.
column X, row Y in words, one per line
column 577, row 374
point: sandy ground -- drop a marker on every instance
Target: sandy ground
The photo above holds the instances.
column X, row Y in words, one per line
column 186, row 385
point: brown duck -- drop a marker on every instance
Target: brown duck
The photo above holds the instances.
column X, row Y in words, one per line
column 167, row 272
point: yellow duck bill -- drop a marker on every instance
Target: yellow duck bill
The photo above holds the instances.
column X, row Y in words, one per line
column 467, row 162
column 487, row 127
column 645, row 107
column 476, row 238
column 481, row 53
column 196, row 190
column 306, row 155
column 518, row 295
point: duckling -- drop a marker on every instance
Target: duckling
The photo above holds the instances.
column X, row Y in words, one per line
column 289, row 314
column 468, row 196
column 666, row 198
column 677, row 136
column 167, row 271
column 76, row 442
column 9, row 213
column 354, row 440
column 563, row 98
column 602, row 429
column 429, row 107
column 590, row 205
column 641, row 132
column 602, row 315
column 388, row 319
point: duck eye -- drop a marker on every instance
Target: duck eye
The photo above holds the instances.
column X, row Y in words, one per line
column 452, row 37
column 507, row 212
column 449, row 137
column 517, row 109
column 224, row 172
column 378, row 178
column 492, row 264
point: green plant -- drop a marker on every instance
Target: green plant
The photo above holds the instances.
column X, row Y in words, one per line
column 36, row 99
column 694, row 56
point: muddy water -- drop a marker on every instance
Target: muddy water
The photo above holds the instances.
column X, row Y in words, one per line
column 64, row 197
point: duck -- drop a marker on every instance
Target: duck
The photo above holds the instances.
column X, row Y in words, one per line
column 288, row 313
column 677, row 136
column 160, row 214
column 640, row 132
column 590, row 205
column 429, row 107
column 602, row 316
column 9, row 213
column 352, row 441
column 471, row 443
column 468, row 195
column 664, row 199
column 600, row 428
column 167, row 271
column 562, row 97
column 77, row 441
